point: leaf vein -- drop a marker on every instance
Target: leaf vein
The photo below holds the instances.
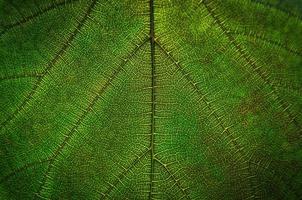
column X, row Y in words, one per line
column 50, row 65
column 123, row 174
column 23, row 168
column 256, row 69
column 271, row 6
column 20, row 76
column 82, row 117
column 35, row 15
column 272, row 42
column 176, row 181
column 153, row 96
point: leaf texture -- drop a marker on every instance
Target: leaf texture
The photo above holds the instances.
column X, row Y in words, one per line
column 159, row 99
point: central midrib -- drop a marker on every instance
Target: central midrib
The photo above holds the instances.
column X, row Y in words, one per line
column 153, row 97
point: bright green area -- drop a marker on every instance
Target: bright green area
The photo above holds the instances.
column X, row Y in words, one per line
column 93, row 106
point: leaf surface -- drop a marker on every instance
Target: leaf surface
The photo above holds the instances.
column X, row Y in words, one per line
column 138, row 99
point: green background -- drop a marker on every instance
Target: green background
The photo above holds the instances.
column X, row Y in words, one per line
column 163, row 99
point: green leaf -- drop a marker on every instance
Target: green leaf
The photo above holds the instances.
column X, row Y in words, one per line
column 159, row 99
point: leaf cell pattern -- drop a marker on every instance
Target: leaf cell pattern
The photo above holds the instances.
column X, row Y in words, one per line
column 136, row 99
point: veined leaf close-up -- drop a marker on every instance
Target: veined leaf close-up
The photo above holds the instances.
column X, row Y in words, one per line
column 151, row 99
